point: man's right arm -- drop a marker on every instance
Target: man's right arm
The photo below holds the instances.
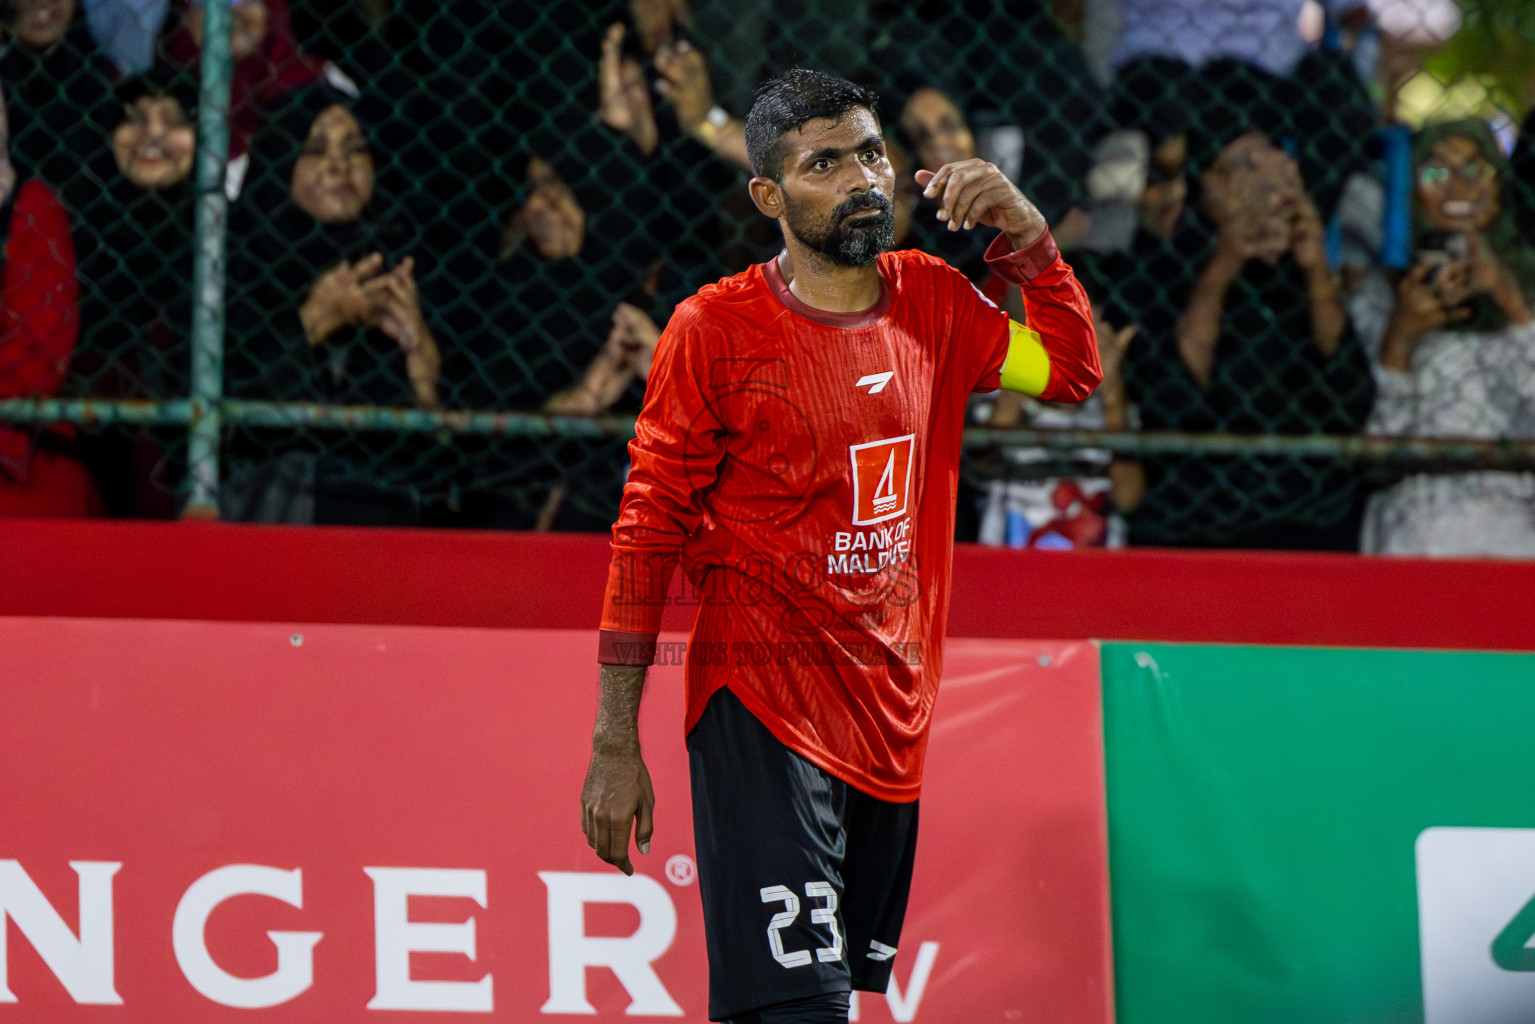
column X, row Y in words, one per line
column 674, row 455
column 618, row 792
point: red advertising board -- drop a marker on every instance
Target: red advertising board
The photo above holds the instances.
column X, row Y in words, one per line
column 524, row 580
column 282, row 823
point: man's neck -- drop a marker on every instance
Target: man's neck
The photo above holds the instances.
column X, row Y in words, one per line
column 823, row 284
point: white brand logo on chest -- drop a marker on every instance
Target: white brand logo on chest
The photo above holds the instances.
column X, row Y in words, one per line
column 875, row 382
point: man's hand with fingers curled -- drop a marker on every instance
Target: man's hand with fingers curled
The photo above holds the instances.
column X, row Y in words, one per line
column 972, row 192
column 617, row 795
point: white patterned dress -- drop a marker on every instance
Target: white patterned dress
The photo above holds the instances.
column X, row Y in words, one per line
column 1459, row 384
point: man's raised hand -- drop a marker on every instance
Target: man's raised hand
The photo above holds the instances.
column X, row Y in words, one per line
column 971, row 192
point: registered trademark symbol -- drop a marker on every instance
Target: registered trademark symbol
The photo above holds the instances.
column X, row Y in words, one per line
column 680, row 869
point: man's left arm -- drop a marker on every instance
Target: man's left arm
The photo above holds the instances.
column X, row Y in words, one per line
column 1056, row 355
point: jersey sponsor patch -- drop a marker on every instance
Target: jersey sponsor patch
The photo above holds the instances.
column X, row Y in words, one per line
column 881, row 479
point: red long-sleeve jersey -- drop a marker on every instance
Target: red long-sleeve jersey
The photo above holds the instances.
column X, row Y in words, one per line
column 804, row 467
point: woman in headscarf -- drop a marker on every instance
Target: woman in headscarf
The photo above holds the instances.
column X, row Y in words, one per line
column 268, row 64
column 1037, row 112
column 325, row 308
column 59, row 94
column 550, row 310
column 136, row 286
column 930, row 125
column 1242, row 329
column 1455, row 350
column 136, row 271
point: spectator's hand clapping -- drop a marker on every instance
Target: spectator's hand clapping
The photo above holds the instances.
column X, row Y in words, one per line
column 397, row 308
column 623, row 103
column 685, row 82
column 340, row 297
column 628, row 353
column 636, row 336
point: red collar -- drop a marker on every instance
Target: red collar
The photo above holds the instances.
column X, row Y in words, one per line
column 861, row 318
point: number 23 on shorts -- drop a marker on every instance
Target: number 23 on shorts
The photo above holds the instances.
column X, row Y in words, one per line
column 826, row 915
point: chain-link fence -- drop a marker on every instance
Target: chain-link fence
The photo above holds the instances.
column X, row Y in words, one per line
column 425, row 284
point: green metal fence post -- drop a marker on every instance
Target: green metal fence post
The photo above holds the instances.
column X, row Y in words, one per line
column 208, row 274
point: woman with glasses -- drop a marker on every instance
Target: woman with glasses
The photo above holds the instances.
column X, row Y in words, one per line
column 1455, row 352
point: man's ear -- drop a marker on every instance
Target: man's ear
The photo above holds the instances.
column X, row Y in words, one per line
column 768, row 195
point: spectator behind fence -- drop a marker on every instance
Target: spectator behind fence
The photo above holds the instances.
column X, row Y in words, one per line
column 932, row 128
column 1456, row 350
column 559, row 318
column 268, row 64
column 59, row 96
column 1037, row 114
column 136, row 270
column 39, row 324
column 136, row 288
column 325, row 308
column 1310, row 101
column 1243, row 330
column 691, row 171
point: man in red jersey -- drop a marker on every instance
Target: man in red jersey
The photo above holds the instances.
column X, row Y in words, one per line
column 799, row 452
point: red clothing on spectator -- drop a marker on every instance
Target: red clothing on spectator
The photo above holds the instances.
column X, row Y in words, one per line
column 804, row 465
column 276, row 68
column 39, row 325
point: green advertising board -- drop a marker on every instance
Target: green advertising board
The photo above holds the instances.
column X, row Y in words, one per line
column 1282, row 818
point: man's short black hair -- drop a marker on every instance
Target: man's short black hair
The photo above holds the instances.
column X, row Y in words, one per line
column 784, row 104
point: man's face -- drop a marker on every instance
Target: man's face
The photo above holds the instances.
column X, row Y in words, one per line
column 837, row 186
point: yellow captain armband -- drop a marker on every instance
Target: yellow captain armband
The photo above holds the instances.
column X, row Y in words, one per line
column 1027, row 366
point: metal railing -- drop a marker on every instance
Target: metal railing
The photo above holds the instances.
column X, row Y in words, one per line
column 207, row 416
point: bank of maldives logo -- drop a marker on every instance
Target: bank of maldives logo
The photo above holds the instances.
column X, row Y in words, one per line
column 1476, row 925
column 881, row 479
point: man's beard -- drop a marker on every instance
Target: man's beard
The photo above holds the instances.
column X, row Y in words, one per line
column 851, row 245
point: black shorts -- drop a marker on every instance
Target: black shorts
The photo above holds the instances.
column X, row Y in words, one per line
column 804, row 878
